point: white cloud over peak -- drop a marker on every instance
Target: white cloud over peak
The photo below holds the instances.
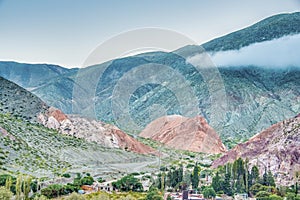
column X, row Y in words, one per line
column 282, row 52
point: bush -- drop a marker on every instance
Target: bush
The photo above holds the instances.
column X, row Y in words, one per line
column 128, row 197
column 101, row 196
column 209, row 192
column 53, row 191
column 88, row 180
column 275, row 197
column 262, row 195
column 75, row 196
column 290, row 196
column 5, row 194
column 66, row 175
column 153, row 194
column 41, row 197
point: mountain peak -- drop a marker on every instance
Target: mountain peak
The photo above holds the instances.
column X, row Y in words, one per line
column 267, row 29
column 192, row 134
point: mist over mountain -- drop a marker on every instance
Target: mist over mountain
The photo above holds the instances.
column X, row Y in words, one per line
column 277, row 53
column 245, row 93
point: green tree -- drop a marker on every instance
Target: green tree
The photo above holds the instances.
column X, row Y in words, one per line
column 270, row 179
column 195, row 177
column 5, row 194
column 26, row 186
column 227, row 185
column 187, row 179
column 209, row 193
column 254, row 174
column 216, row 182
column 128, row 183
column 8, row 182
column 87, row 180
column 19, row 193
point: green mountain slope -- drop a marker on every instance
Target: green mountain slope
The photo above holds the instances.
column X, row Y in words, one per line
column 268, row 29
column 28, row 147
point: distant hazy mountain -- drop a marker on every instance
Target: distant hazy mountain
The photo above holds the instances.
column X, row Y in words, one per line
column 276, row 149
column 255, row 96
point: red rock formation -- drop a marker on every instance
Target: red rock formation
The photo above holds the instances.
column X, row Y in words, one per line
column 93, row 131
column 57, row 114
column 192, row 134
column 276, row 148
column 129, row 143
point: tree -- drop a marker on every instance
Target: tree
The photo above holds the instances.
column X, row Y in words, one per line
column 270, row 179
column 8, row 183
column 254, row 174
column 19, row 187
column 41, row 197
column 5, row 194
column 209, row 193
column 195, row 177
column 216, row 182
column 187, row 179
column 128, row 183
column 26, row 186
column 88, row 180
column 227, row 186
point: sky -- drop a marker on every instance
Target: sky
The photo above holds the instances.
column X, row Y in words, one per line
column 65, row 32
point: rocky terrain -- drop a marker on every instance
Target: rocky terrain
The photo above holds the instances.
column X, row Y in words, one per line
column 276, row 149
column 92, row 131
column 245, row 100
column 29, row 147
column 19, row 102
column 192, row 134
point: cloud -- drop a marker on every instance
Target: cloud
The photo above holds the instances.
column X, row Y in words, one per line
column 282, row 52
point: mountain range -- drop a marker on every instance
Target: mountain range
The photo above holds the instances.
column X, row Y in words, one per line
column 237, row 101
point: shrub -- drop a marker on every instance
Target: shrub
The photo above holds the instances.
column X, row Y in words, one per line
column 88, row 180
column 41, row 197
column 209, row 192
column 53, row 191
column 66, row 175
column 275, row 197
column 290, row 196
column 75, row 196
column 5, row 194
column 262, row 195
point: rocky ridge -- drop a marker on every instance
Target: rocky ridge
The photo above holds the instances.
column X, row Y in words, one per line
column 276, row 149
column 91, row 130
column 192, row 134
